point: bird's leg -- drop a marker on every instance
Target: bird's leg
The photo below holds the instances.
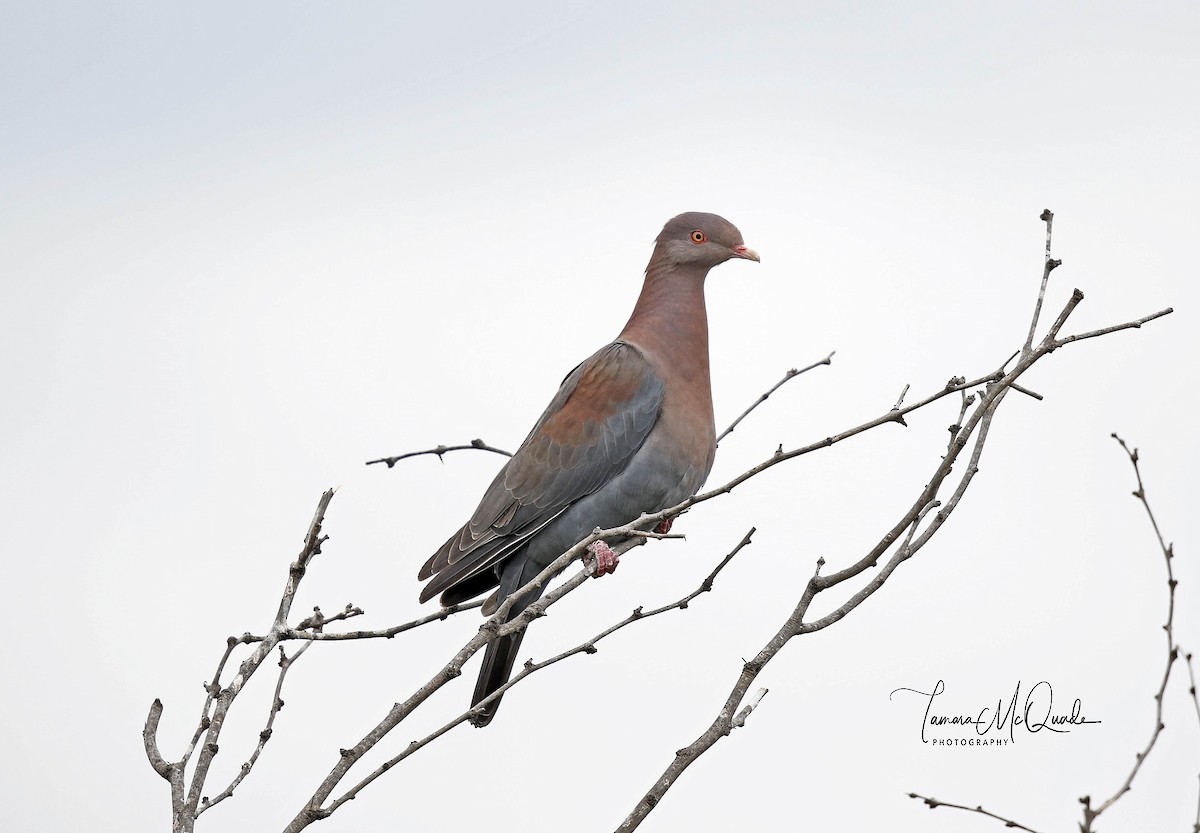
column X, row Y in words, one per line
column 606, row 559
column 664, row 526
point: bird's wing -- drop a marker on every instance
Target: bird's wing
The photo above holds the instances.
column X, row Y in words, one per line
column 599, row 418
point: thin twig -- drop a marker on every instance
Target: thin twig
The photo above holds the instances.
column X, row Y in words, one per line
column 1089, row 814
column 982, row 419
column 740, row 720
column 1103, row 331
column 954, row 385
column 1196, row 703
column 383, row 633
column 441, row 451
column 650, row 534
column 791, row 374
column 933, row 804
column 212, row 690
column 1027, row 392
column 1048, row 218
column 312, row 547
column 285, row 663
column 480, row 445
column 1068, row 308
column 185, row 808
column 968, row 399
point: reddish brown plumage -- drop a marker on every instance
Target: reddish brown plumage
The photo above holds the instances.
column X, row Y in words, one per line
column 602, row 387
column 669, row 325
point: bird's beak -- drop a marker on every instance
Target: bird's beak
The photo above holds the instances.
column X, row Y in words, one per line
column 743, row 252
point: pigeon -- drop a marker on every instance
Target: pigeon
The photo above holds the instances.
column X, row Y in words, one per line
column 630, row 431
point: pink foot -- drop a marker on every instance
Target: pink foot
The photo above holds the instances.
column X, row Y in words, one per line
column 664, row 526
column 606, row 559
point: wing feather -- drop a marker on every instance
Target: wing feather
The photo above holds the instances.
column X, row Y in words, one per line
column 601, row 415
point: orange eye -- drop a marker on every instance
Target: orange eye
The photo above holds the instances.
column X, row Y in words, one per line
column 699, row 236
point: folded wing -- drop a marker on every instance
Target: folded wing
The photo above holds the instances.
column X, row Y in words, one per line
column 600, row 417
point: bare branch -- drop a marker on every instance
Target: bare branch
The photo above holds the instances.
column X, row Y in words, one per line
column 312, row 547
column 212, row 690
column 489, row 630
column 641, row 533
column 1027, row 392
column 173, row 773
column 968, row 399
column 933, row 804
column 285, row 662
column 1103, row 331
column 980, row 418
column 998, row 384
column 150, row 740
column 493, row 628
column 791, row 374
column 954, row 385
column 1089, row 814
column 314, row 810
column 740, row 720
column 1196, row 703
column 1072, row 302
column 441, row 451
column 185, row 808
column 795, row 624
column 1050, row 264
column 384, row 633
column 910, row 546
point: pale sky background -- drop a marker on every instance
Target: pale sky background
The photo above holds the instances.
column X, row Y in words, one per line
column 247, row 247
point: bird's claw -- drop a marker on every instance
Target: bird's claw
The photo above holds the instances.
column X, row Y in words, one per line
column 664, row 526
column 606, row 559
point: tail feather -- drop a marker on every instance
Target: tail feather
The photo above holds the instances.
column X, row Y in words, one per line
column 498, row 663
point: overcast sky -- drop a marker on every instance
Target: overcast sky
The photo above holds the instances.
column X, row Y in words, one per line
column 247, row 247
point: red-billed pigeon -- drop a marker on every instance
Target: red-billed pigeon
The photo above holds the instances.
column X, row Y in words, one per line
column 630, row 431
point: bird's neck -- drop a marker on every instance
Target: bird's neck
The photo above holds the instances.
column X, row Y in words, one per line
column 670, row 323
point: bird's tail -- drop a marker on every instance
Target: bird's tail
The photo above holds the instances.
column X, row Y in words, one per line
column 501, row 654
column 498, row 663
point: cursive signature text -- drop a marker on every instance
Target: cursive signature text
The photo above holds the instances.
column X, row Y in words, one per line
column 1035, row 713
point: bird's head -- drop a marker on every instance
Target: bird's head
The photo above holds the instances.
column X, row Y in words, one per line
column 699, row 239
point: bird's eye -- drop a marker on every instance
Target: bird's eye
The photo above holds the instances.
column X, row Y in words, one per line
column 699, row 236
